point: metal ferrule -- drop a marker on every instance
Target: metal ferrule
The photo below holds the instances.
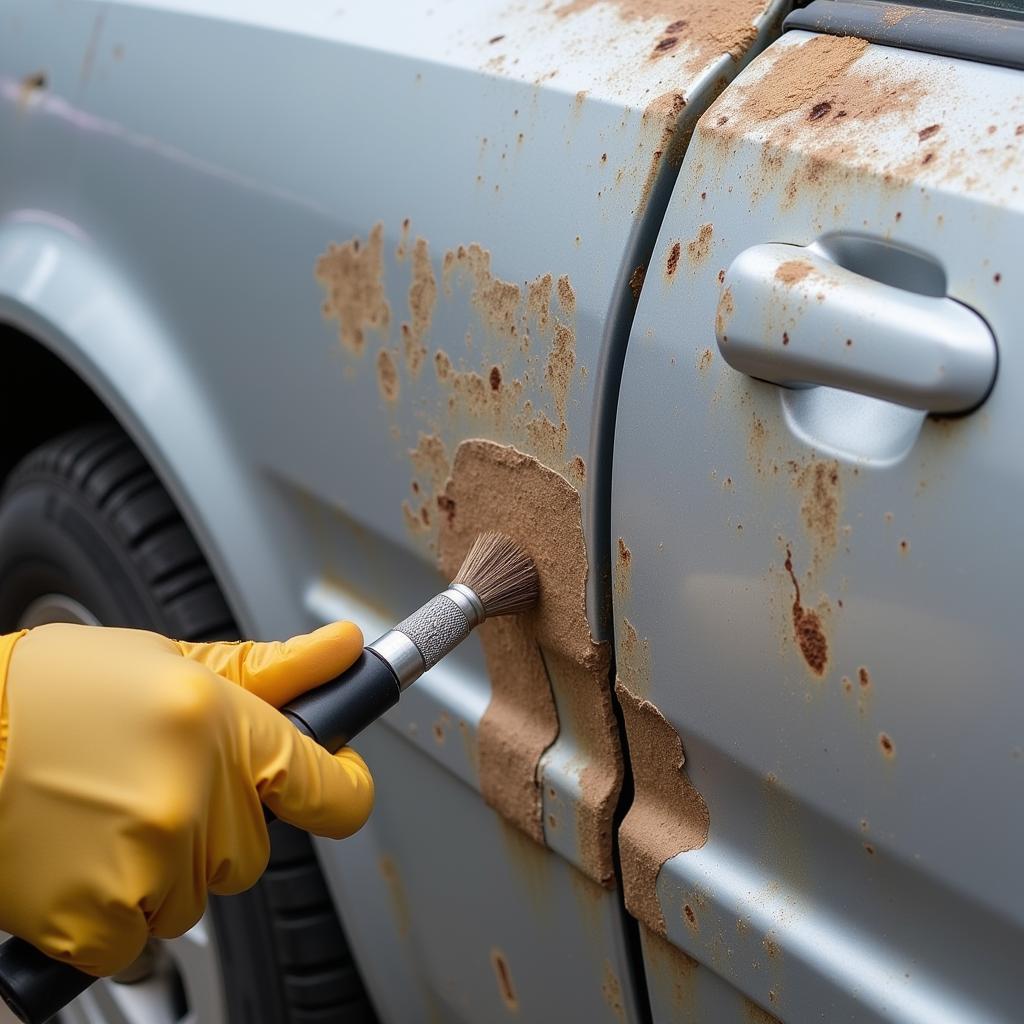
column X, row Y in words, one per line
column 467, row 600
column 401, row 654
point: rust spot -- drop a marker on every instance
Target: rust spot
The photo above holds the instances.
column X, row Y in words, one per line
column 495, row 39
column 439, row 733
column 771, row 947
column 904, row 547
column 927, row 133
column 30, row 84
column 673, row 259
column 785, row 337
column 352, row 276
column 387, row 376
column 578, row 469
column 726, row 308
column 807, row 628
column 495, row 378
column 849, row 342
column 864, row 677
column 699, row 248
column 819, row 110
column 847, row 685
column 501, row 972
column 869, row 849
column 721, row 277
column 665, row 44
column 447, row 506
column 704, row 360
column 636, row 281
column 885, row 742
column 691, row 917
column 927, row 158
column 997, row 278
column 625, row 555
column 399, row 901
column 793, row 271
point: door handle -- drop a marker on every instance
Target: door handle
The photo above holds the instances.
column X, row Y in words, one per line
column 790, row 315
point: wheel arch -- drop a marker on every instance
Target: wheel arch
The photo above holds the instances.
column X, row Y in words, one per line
column 79, row 341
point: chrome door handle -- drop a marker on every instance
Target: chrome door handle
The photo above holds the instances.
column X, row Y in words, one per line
column 790, row 315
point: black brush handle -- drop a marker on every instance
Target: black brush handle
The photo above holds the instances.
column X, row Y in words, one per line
column 36, row 987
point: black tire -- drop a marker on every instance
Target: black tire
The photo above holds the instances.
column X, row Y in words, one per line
column 85, row 516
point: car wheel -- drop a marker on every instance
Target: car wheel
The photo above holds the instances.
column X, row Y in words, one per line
column 88, row 534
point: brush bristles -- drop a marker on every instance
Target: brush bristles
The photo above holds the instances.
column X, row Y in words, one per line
column 501, row 574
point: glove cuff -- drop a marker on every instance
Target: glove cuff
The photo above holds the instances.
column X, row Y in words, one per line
column 6, row 650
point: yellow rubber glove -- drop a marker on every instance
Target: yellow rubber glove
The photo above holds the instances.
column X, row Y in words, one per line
column 133, row 769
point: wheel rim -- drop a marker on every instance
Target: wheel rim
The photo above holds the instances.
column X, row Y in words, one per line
column 177, row 981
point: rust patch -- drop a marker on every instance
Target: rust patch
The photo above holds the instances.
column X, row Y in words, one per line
column 668, row 816
column 690, row 917
column 387, row 376
column 726, row 308
column 352, row 277
column 496, row 301
column 672, row 263
column 504, row 978
column 636, row 281
column 820, row 506
column 494, row 487
column 538, row 300
column 886, row 745
column 704, row 360
column 624, row 568
column 566, row 297
column 864, row 678
column 793, row 271
column 430, row 463
column 672, row 971
column 927, row 133
column 422, row 298
column 808, row 631
column 396, row 890
column 611, row 989
column 700, row 247
column 696, row 32
column 578, row 471
column 561, row 361
column 30, row 85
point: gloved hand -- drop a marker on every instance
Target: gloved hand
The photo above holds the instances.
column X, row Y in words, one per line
column 132, row 768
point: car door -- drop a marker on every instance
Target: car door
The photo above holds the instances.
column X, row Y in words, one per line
column 816, row 481
column 397, row 248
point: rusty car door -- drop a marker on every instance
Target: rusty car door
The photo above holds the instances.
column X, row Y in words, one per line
column 397, row 248
column 816, row 492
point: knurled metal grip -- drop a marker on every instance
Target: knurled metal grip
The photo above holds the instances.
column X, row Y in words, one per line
column 436, row 629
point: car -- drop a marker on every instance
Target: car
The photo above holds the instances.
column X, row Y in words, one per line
column 717, row 309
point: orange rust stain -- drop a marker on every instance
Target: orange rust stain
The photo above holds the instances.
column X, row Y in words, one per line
column 704, row 360
column 672, row 263
column 611, row 989
column 636, row 281
column 820, row 483
column 726, row 308
column 691, row 917
column 886, row 744
column 904, row 547
column 352, row 276
column 387, row 376
column 422, row 298
column 771, row 947
column 808, row 631
column 864, row 678
column 504, row 978
column 793, row 271
column 399, row 901
column 700, row 247
column 690, row 32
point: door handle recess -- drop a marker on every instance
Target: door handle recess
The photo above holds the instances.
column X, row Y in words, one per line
column 791, row 316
